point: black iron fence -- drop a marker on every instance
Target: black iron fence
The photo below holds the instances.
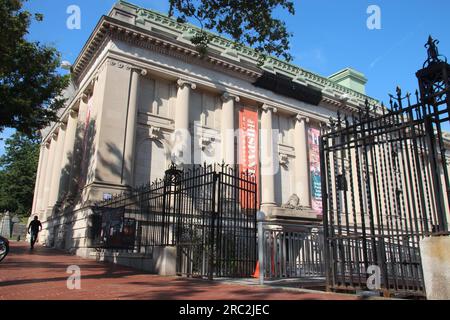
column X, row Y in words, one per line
column 293, row 251
column 208, row 212
column 385, row 186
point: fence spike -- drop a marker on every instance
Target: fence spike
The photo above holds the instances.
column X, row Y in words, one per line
column 417, row 96
column 398, row 90
column 408, row 98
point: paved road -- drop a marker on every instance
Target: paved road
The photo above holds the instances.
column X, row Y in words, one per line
column 41, row 275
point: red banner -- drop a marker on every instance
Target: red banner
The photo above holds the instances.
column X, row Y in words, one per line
column 249, row 149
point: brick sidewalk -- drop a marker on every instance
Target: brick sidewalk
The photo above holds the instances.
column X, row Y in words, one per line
column 41, row 275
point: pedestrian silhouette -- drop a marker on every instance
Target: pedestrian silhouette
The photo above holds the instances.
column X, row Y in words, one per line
column 33, row 229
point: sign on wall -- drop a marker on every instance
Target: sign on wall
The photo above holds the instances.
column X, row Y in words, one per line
column 117, row 231
column 248, row 146
column 314, row 167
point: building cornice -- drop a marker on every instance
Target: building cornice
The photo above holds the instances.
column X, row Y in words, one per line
column 226, row 47
column 157, row 32
column 215, row 86
column 109, row 28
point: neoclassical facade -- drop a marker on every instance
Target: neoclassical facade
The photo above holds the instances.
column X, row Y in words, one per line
column 142, row 97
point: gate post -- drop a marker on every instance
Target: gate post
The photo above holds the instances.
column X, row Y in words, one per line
column 212, row 226
column 326, row 234
column 172, row 179
column 261, row 217
column 439, row 192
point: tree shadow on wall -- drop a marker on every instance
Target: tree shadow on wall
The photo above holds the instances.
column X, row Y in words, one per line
column 74, row 177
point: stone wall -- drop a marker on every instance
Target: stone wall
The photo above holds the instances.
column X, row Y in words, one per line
column 72, row 232
column 10, row 227
column 5, row 225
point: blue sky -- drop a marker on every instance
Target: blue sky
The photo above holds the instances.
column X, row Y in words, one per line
column 328, row 35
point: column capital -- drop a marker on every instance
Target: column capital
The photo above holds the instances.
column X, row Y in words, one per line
column 268, row 108
column 73, row 113
column 301, row 118
column 93, row 81
column 85, row 96
column 126, row 66
column 94, row 78
column 181, row 83
column 143, row 72
column 226, row 96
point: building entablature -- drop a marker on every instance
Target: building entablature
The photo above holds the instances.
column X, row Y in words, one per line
column 157, row 32
column 225, row 93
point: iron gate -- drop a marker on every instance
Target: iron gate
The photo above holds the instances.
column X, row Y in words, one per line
column 385, row 185
column 216, row 222
column 292, row 251
column 207, row 212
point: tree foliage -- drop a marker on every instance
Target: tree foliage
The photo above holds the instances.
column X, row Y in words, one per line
column 30, row 87
column 18, row 168
column 247, row 22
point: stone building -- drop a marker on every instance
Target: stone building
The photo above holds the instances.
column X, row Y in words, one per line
column 139, row 85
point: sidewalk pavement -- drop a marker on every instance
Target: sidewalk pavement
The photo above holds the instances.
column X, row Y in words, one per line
column 41, row 275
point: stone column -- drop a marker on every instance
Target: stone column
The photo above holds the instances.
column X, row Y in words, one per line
column 182, row 137
column 40, row 207
column 48, row 174
column 269, row 157
column 228, row 128
column 38, row 178
column 302, row 180
column 56, row 168
column 68, row 154
column 132, row 117
column 75, row 173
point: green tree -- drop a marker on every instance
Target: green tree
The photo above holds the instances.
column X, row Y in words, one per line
column 30, row 87
column 18, row 168
column 248, row 22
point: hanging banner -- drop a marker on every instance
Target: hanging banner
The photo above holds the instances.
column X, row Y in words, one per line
column 314, row 167
column 249, row 149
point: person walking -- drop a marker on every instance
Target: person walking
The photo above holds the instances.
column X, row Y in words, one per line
column 33, row 229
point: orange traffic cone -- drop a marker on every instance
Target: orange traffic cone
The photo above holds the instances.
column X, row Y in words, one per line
column 256, row 274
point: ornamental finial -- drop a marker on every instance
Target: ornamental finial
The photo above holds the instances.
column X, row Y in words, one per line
column 433, row 52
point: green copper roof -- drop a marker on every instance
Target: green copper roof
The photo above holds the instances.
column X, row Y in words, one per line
column 350, row 78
